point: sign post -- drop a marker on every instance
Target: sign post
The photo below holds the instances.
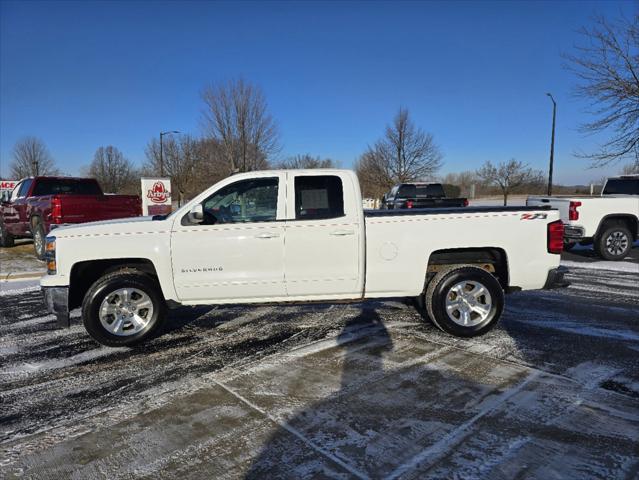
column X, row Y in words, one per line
column 156, row 196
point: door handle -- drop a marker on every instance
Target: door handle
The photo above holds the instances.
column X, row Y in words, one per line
column 342, row 233
column 267, row 235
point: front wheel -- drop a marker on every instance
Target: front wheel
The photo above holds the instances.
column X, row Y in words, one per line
column 614, row 243
column 465, row 301
column 123, row 308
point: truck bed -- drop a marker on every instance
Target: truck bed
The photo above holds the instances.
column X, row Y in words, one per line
column 451, row 210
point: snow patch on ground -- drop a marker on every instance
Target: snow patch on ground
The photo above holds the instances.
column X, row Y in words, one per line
column 19, row 287
column 615, row 266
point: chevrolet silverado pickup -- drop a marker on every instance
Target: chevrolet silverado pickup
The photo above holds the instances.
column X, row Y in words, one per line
column 420, row 195
column 36, row 205
column 609, row 222
column 298, row 236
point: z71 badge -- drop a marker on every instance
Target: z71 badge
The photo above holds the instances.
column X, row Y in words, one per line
column 533, row 216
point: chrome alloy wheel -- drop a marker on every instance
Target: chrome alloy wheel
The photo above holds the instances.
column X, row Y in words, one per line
column 126, row 311
column 617, row 243
column 38, row 241
column 468, row 303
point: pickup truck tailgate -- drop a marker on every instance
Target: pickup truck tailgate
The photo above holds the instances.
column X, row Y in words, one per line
column 561, row 204
column 90, row 208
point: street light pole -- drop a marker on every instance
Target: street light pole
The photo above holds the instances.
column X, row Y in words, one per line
column 552, row 143
column 161, row 150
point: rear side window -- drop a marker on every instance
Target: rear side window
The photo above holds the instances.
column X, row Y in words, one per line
column 622, row 186
column 432, row 190
column 71, row 186
column 318, row 196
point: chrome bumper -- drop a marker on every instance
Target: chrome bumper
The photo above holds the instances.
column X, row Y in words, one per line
column 574, row 233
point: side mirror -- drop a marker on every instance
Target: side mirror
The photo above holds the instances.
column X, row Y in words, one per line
column 196, row 215
column 5, row 196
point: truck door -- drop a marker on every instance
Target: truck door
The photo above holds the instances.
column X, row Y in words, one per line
column 15, row 214
column 322, row 248
column 237, row 251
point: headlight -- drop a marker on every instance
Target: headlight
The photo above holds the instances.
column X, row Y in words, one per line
column 50, row 256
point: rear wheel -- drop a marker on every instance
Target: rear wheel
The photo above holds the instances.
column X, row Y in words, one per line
column 465, row 301
column 123, row 308
column 6, row 239
column 614, row 243
column 37, row 231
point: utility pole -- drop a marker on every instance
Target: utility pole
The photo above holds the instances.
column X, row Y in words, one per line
column 161, row 150
column 552, row 143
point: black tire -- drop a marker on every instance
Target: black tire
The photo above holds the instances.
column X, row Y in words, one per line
column 106, row 286
column 39, row 237
column 6, row 239
column 614, row 243
column 439, row 289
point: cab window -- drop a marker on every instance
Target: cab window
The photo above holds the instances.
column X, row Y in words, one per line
column 318, row 197
column 245, row 201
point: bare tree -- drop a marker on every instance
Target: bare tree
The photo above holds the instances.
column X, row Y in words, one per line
column 32, row 158
column 631, row 169
column 192, row 164
column 464, row 180
column 607, row 66
column 404, row 154
column 114, row 172
column 236, row 116
column 306, row 161
column 510, row 176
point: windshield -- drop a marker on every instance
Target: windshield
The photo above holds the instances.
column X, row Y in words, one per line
column 66, row 186
column 622, row 186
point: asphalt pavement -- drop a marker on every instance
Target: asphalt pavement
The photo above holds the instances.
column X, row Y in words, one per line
column 366, row 390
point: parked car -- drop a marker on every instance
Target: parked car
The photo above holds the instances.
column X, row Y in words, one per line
column 298, row 235
column 420, row 195
column 610, row 222
column 38, row 204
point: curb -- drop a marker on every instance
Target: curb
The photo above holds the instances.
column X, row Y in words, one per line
column 20, row 276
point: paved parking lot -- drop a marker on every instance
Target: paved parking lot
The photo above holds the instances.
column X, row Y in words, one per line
column 331, row 391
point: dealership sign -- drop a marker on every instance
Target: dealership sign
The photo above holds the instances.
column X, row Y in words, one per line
column 7, row 185
column 156, row 196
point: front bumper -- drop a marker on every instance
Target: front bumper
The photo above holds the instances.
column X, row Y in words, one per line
column 57, row 301
column 556, row 279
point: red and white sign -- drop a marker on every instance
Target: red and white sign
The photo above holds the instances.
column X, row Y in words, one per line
column 156, row 196
column 7, row 185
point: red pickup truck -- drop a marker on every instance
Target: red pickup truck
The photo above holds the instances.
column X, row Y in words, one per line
column 38, row 204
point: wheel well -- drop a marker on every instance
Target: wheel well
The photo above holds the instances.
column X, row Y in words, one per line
column 493, row 260
column 629, row 220
column 84, row 274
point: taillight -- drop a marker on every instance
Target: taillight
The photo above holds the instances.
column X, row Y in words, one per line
column 465, row 204
column 573, row 213
column 409, row 204
column 56, row 210
column 555, row 237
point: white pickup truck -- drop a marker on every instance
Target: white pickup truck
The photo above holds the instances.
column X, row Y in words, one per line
column 298, row 236
column 609, row 222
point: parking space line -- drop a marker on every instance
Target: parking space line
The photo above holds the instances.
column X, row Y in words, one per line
column 442, row 447
column 294, row 432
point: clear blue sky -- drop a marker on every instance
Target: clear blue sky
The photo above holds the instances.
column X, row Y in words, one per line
column 84, row 74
